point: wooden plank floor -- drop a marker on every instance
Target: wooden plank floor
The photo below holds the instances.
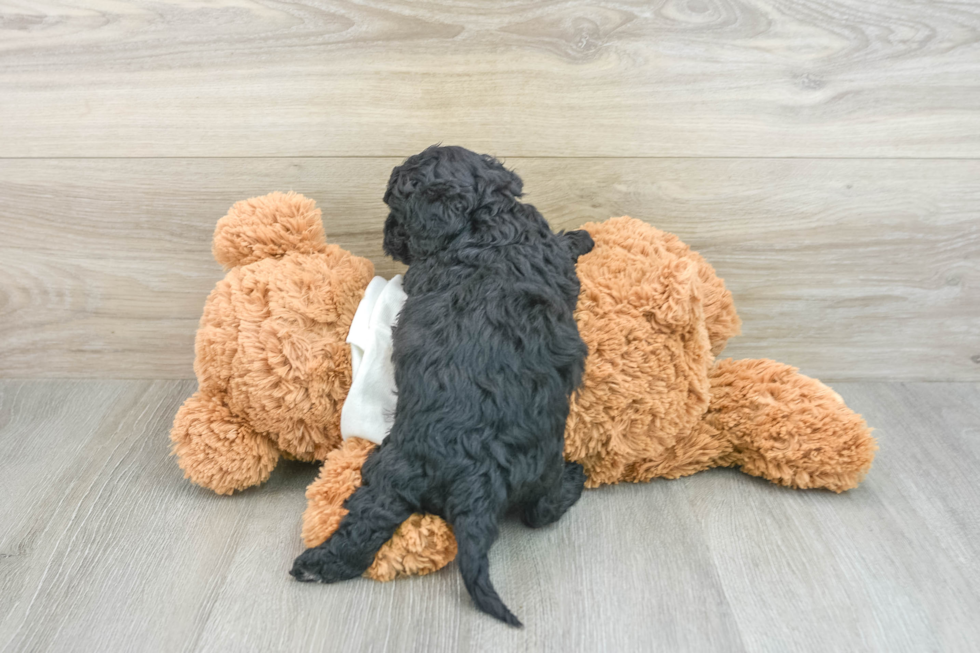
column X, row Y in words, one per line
column 104, row 547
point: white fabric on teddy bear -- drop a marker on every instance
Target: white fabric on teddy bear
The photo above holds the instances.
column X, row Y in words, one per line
column 369, row 409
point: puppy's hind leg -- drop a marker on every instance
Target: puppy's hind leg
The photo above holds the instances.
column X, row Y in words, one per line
column 374, row 514
column 549, row 508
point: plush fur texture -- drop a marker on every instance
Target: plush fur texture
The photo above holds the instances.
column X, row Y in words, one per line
column 486, row 354
column 654, row 402
column 272, row 364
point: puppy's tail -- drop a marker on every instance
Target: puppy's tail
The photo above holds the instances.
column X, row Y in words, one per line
column 474, row 536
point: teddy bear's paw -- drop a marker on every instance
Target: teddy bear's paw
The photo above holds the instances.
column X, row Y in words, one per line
column 422, row 544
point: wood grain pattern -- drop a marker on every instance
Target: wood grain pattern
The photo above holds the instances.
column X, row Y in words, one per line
column 520, row 78
column 849, row 269
column 106, row 547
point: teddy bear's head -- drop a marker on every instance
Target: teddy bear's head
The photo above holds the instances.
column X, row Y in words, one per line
column 273, row 335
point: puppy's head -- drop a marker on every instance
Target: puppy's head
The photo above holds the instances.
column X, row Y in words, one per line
column 441, row 193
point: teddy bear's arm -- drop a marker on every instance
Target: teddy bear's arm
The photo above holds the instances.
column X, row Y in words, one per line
column 217, row 450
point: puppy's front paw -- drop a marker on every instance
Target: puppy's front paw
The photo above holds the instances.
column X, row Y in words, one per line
column 320, row 566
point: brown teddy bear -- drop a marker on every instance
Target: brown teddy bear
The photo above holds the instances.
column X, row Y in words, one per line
column 274, row 370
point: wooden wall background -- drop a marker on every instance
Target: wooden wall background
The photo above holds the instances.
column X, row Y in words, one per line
column 824, row 155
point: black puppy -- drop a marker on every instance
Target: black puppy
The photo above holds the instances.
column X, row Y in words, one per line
column 486, row 353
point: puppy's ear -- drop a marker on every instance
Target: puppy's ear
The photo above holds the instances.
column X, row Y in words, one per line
column 436, row 213
column 395, row 242
column 579, row 241
column 495, row 181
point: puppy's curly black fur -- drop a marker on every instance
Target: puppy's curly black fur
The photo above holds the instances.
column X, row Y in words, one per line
column 487, row 354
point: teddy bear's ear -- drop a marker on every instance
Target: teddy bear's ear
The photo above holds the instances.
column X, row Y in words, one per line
column 669, row 295
column 678, row 293
column 268, row 226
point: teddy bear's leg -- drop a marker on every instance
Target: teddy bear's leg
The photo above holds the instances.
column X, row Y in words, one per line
column 786, row 427
column 421, row 545
column 218, row 450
